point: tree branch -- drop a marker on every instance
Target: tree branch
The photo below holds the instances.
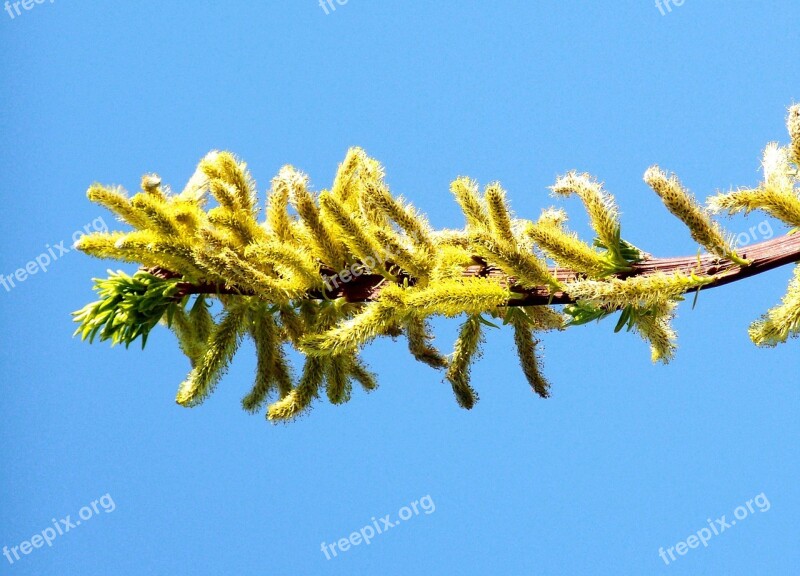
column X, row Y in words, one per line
column 763, row 256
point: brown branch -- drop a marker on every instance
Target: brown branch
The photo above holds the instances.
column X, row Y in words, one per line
column 763, row 256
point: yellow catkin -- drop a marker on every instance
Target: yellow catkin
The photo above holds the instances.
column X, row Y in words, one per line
column 225, row 266
column 404, row 215
column 289, row 260
column 467, row 348
column 279, row 220
column 103, row 245
column 192, row 329
column 229, row 181
column 793, row 125
column 329, row 249
column 568, row 250
column 239, row 223
column 155, row 250
column 192, row 347
column 499, row 212
column 776, row 196
column 542, row 318
column 643, row 291
column 353, row 229
column 780, row 205
column 448, row 237
column 419, row 338
column 370, row 178
column 189, row 216
column 454, row 297
column 235, row 172
column 393, row 248
column 450, row 263
column 553, row 217
column 225, row 194
column 353, row 333
column 292, row 324
column 655, row 328
column 465, row 191
column 115, row 200
column 277, row 290
column 361, row 374
column 337, row 381
column 777, row 168
column 526, row 350
column 300, row 398
column 781, row 322
column 346, row 182
column 683, row 205
column 222, row 346
column 264, row 334
column 527, row 269
column 603, row 212
column 157, row 213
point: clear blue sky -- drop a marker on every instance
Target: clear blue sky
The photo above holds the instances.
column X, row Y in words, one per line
column 626, row 457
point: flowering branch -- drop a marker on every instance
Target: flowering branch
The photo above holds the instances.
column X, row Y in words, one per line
column 326, row 273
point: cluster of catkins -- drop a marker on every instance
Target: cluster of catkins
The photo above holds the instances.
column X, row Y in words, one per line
column 271, row 275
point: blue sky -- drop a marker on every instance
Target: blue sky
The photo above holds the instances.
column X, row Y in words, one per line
column 626, row 457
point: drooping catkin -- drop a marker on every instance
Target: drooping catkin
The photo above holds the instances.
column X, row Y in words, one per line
column 361, row 374
column 337, row 379
column 419, row 338
column 300, row 398
column 783, row 321
column 191, row 347
column 654, row 326
column 526, row 350
column 466, row 350
column 193, row 329
column 264, row 333
column 273, row 271
column 353, row 333
column 221, row 347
